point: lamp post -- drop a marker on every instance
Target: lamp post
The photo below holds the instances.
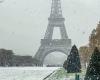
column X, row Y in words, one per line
column 77, row 77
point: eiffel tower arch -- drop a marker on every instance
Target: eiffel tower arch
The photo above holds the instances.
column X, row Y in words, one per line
column 48, row 44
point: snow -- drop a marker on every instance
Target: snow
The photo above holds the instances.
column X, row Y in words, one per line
column 25, row 73
column 61, row 74
column 37, row 73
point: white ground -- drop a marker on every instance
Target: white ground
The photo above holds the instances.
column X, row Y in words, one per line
column 25, row 73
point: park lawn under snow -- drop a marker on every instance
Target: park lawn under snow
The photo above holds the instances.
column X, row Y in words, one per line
column 61, row 74
column 25, row 73
column 36, row 73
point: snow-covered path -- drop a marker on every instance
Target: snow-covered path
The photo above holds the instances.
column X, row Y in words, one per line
column 25, row 73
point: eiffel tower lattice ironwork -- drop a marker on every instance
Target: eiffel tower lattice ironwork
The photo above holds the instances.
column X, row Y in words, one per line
column 48, row 44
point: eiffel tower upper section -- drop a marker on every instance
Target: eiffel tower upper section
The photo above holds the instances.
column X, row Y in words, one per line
column 56, row 11
column 56, row 20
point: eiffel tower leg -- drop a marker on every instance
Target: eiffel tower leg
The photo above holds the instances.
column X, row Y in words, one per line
column 63, row 32
column 39, row 56
column 49, row 32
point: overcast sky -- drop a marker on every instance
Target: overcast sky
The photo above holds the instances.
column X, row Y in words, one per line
column 23, row 22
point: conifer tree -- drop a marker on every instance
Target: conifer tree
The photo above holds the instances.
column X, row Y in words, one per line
column 65, row 64
column 93, row 70
column 73, row 61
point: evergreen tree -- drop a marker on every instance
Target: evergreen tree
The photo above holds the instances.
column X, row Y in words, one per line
column 65, row 64
column 73, row 61
column 93, row 70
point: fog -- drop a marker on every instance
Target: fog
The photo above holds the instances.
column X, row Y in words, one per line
column 23, row 22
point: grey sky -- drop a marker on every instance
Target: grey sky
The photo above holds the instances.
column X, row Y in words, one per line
column 23, row 22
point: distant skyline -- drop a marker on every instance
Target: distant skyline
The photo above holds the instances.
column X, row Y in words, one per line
column 23, row 23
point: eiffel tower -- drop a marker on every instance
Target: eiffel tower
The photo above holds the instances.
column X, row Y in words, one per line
column 49, row 45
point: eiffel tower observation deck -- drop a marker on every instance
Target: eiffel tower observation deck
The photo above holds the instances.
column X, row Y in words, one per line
column 48, row 44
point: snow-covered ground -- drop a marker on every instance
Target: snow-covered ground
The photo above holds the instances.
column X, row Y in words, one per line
column 25, row 73
column 61, row 74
